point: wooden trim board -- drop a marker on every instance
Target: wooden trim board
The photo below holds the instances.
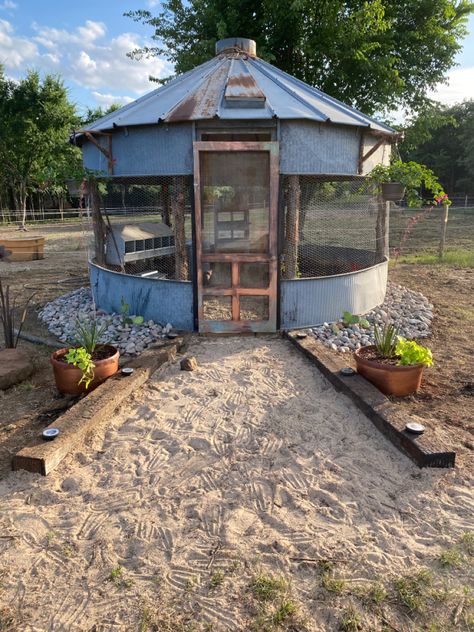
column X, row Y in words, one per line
column 387, row 417
column 91, row 413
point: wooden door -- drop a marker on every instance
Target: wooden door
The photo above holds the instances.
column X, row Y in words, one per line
column 236, row 199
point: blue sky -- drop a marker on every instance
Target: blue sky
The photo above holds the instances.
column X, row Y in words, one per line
column 86, row 41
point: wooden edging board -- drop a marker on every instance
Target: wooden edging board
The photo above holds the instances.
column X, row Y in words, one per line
column 91, row 412
column 385, row 415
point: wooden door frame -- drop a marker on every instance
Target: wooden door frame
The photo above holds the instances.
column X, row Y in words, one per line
column 230, row 326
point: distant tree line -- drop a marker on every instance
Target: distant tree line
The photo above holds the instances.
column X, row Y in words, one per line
column 36, row 120
column 442, row 138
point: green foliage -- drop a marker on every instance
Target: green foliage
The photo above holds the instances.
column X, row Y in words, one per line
column 451, row 558
column 349, row 319
column 351, row 620
column 88, row 333
column 126, row 319
column 374, row 55
column 217, row 579
column 410, row 352
column 36, row 118
column 458, row 258
column 412, row 589
column 443, row 138
column 386, row 340
column 267, row 587
column 80, row 358
column 412, row 175
column 8, row 308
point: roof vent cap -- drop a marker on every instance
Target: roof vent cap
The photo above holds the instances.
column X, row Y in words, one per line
column 230, row 44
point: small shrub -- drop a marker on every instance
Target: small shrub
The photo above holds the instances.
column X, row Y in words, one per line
column 411, row 590
column 217, row 579
column 452, row 558
column 467, row 541
column 386, row 340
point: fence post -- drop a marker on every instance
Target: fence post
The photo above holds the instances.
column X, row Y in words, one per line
column 444, row 225
column 381, row 228
column 292, row 227
column 97, row 223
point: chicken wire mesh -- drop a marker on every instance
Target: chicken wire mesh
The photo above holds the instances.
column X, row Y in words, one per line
column 146, row 226
column 328, row 226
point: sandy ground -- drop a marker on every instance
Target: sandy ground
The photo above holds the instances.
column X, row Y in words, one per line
column 238, row 469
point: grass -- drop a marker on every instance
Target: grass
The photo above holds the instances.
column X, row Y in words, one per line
column 117, row 577
column 412, row 590
column 267, row 587
column 457, row 258
column 351, row 620
column 451, row 558
column 217, row 579
column 467, row 542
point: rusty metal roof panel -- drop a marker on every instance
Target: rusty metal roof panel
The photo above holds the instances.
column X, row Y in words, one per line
column 236, row 86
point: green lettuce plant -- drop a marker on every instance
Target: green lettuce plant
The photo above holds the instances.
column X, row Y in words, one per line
column 410, row 352
column 81, row 359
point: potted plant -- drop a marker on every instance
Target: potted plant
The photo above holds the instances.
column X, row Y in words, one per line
column 401, row 179
column 393, row 364
column 83, row 366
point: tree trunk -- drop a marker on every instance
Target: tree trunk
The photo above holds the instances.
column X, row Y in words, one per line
column 98, row 224
column 177, row 204
column 293, row 209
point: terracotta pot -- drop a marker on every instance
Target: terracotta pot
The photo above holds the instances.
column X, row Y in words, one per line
column 390, row 379
column 392, row 191
column 67, row 376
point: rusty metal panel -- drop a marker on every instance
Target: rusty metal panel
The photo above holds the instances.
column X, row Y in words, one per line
column 241, row 89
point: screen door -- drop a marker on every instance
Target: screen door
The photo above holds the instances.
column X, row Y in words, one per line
column 236, row 192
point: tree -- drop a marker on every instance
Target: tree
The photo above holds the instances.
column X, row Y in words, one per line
column 375, row 55
column 93, row 114
column 443, row 139
column 35, row 120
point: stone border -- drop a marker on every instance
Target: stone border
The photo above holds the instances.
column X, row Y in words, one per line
column 387, row 417
column 92, row 412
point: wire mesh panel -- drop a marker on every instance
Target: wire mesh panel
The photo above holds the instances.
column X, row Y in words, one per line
column 147, row 226
column 328, row 226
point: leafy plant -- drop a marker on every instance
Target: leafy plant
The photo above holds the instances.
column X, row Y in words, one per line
column 386, row 340
column 82, row 359
column 413, row 176
column 7, row 317
column 126, row 319
column 88, row 333
column 349, row 319
column 410, row 352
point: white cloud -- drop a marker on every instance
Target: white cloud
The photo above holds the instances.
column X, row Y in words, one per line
column 107, row 100
column 152, row 3
column 8, row 5
column 83, row 56
column 460, row 87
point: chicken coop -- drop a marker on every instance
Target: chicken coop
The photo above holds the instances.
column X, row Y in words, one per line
column 234, row 198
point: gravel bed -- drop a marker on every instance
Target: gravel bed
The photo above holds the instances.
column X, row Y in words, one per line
column 61, row 314
column 409, row 311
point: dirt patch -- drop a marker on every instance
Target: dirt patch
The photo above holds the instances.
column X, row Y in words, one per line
column 63, row 269
column 446, row 397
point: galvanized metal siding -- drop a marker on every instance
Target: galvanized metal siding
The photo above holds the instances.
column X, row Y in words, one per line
column 161, row 150
column 310, row 302
column 159, row 300
column 310, row 148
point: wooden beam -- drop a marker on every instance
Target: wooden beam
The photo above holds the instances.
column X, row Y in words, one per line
column 98, row 223
column 292, row 230
column 387, row 417
column 107, row 152
column 178, row 207
column 91, row 413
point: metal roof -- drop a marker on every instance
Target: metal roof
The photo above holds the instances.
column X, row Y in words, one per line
column 236, row 85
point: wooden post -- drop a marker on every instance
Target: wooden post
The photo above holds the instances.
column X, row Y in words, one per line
column 382, row 228
column 97, row 224
column 293, row 208
column 177, row 205
column 444, row 226
column 165, row 202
